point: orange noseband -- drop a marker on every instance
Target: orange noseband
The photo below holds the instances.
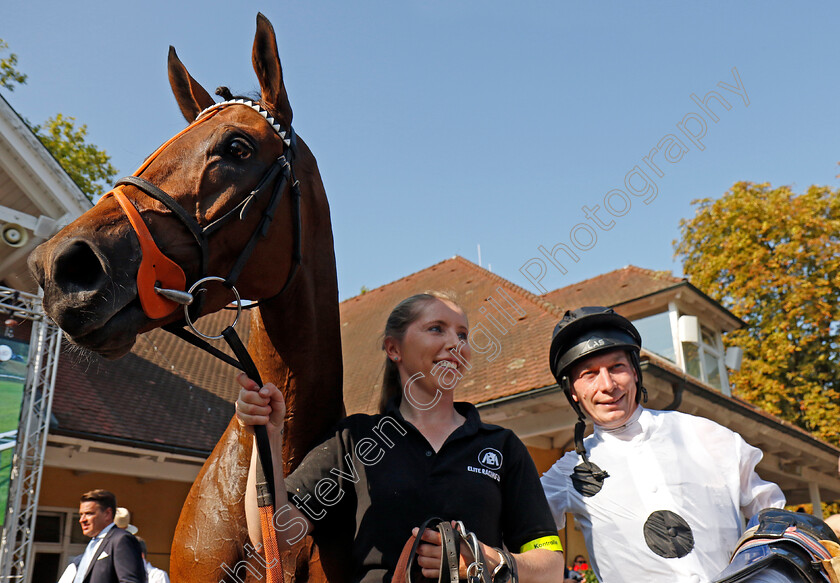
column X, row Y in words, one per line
column 156, row 269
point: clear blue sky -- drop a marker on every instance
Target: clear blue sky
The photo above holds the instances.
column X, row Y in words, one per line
column 445, row 124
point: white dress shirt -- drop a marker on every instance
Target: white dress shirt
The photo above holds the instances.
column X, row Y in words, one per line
column 155, row 575
column 90, row 552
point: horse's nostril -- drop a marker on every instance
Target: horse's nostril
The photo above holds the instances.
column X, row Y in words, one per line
column 77, row 268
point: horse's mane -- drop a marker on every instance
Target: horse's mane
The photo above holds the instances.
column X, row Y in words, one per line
column 225, row 94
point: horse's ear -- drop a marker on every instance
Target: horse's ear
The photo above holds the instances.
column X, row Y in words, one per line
column 267, row 66
column 192, row 98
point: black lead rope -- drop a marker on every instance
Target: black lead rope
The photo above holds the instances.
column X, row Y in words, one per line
column 265, row 469
column 243, row 362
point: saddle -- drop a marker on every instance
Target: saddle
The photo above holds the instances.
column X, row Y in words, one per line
column 800, row 547
column 408, row 571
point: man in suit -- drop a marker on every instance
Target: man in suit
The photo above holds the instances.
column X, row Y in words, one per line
column 113, row 555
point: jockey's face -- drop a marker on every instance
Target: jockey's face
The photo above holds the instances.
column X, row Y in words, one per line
column 604, row 385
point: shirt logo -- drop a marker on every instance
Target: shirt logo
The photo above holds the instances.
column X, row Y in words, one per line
column 490, row 458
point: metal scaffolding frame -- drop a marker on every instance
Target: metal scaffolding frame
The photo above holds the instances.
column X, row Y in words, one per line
column 31, row 440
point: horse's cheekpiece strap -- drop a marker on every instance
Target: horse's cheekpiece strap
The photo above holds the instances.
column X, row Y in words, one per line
column 284, row 135
column 156, row 269
column 160, row 281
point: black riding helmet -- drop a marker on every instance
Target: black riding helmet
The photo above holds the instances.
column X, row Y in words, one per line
column 585, row 332
column 580, row 334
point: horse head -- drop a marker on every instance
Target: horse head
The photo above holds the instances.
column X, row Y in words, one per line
column 196, row 207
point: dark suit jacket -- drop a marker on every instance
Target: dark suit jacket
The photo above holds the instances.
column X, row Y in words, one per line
column 117, row 560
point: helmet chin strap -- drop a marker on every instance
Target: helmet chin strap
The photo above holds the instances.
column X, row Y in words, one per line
column 587, row 478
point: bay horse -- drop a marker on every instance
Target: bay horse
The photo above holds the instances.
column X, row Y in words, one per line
column 202, row 199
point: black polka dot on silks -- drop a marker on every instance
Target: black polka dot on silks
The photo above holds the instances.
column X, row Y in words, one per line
column 668, row 535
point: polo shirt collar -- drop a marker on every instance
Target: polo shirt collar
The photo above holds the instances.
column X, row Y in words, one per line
column 467, row 410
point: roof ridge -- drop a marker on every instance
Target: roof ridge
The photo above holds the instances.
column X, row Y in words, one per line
column 583, row 281
column 657, row 273
column 379, row 287
column 654, row 274
column 532, row 297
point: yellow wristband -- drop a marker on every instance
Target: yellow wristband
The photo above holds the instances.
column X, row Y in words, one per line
column 552, row 543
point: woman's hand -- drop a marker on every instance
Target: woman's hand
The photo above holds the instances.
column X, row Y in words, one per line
column 429, row 555
column 260, row 405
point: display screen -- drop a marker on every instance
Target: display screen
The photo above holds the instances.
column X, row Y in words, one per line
column 14, row 358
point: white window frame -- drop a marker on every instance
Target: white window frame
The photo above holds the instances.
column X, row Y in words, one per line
column 64, row 547
column 717, row 350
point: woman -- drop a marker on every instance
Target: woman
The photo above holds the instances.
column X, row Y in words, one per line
column 423, row 455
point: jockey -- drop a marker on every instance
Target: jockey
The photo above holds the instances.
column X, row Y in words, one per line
column 659, row 495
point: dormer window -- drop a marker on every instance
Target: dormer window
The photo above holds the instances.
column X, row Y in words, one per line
column 694, row 346
column 657, row 336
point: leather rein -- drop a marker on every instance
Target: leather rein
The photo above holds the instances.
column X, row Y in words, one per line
column 451, row 538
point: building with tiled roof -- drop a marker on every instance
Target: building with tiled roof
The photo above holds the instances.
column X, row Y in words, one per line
column 615, row 287
column 142, row 425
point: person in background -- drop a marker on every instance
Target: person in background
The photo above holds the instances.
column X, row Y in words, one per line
column 154, row 574
column 112, row 555
column 576, row 570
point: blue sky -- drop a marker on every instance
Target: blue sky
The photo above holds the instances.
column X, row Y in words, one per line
column 443, row 125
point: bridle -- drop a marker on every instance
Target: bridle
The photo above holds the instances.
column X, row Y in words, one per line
column 161, row 283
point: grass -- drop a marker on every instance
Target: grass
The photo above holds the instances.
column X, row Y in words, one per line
column 11, row 392
column 5, row 471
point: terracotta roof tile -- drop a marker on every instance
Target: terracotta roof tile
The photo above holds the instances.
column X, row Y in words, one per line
column 613, row 288
column 165, row 393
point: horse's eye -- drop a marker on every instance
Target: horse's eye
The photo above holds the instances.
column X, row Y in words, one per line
column 239, row 148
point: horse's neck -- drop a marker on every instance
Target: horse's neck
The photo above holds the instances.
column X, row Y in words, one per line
column 296, row 344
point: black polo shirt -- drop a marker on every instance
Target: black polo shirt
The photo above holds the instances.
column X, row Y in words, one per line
column 379, row 473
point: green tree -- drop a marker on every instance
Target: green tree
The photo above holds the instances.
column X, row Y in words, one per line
column 772, row 257
column 88, row 166
column 9, row 75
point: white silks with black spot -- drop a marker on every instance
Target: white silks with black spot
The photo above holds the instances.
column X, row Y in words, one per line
column 679, row 491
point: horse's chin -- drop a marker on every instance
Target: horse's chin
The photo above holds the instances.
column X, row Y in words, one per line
column 116, row 337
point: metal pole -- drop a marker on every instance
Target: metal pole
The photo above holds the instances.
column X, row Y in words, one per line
column 27, row 464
